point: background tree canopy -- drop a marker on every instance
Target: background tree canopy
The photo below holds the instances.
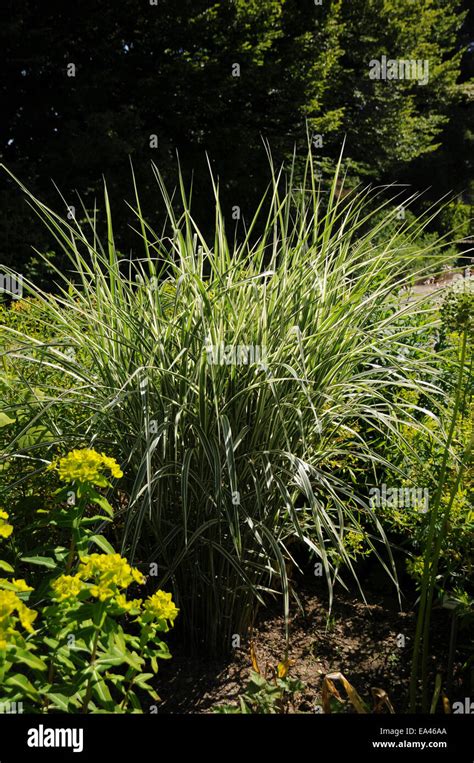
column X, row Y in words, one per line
column 86, row 85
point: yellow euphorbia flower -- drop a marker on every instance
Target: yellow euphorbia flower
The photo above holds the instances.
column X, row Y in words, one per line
column 67, row 587
column 109, row 570
column 103, row 574
column 27, row 617
column 5, row 529
column 86, row 465
column 9, row 604
column 21, row 586
column 129, row 604
column 111, row 464
column 161, row 606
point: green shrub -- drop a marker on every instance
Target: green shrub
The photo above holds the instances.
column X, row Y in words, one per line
column 425, row 253
column 91, row 645
column 453, row 493
column 456, row 218
column 267, row 695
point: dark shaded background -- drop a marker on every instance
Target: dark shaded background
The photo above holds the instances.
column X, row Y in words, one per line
column 166, row 70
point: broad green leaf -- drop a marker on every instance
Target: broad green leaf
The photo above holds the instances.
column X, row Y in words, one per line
column 60, row 701
column 41, row 561
column 100, row 688
column 21, row 682
column 30, row 659
column 5, row 420
column 101, row 501
column 102, row 543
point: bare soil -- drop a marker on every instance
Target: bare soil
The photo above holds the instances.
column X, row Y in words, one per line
column 360, row 640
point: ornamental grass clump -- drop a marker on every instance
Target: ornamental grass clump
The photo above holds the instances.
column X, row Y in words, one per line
column 233, row 460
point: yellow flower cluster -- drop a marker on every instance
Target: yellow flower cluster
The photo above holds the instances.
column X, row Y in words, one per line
column 9, row 604
column 5, row 529
column 354, row 543
column 102, row 574
column 67, row 587
column 128, row 605
column 20, row 586
column 86, row 465
column 161, row 606
column 109, row 572
column 105, row 577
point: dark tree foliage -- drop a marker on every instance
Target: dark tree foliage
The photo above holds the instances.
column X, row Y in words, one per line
column 86, row 85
